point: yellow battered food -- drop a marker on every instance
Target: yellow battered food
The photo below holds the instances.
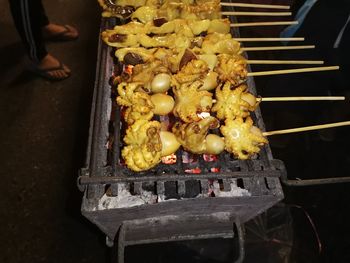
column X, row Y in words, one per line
column 189, row 101
column 138, row 103
column 192, row 135
column 230, row 102
column 144, row 146
column 242, row 139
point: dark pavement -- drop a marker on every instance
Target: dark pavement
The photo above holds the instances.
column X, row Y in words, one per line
column 43, row 135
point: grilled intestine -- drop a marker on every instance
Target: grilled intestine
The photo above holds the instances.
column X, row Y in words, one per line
column 145, row 10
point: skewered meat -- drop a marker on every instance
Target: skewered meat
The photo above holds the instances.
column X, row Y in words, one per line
column 138, row 102
column 195, row 70
column 192, row 135
column 189, row 101
column 242, row 139
column 231, row 103
column 216, row 43
column 144, row 146
column 170, row 9
column 232, row 69
column 188, row 28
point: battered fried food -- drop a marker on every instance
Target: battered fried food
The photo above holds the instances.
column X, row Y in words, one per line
column 242, row 139
column 232, row 68
column 138, row 103
column 230, row 102
column 192, row 135
column 144, row 146
column 189, row 101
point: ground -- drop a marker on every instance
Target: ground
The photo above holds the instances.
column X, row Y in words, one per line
column 43, row 135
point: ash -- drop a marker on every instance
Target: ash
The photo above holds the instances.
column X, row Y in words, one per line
column 235, row 190
column 126, row 199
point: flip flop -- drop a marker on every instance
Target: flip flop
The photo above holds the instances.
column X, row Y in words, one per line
column 69, row 34
column 45, row 73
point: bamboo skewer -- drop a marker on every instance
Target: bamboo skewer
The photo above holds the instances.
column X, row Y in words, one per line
column 320, row 98
column 277, row 23
column 289, row 62
column 291, row 71
column 234, row 13
column 276, row 48
column 308, row 128
column 267, row 39
column 255, row 5
column 284, row 99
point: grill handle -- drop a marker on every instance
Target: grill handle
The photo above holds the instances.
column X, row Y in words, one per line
column 237, row 228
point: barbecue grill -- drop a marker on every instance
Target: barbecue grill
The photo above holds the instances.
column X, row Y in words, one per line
column 193, row 197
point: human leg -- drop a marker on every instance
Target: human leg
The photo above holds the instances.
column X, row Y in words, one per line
column 29, row 17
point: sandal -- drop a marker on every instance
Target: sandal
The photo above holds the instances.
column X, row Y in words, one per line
column 69, row 34
column 45, row 73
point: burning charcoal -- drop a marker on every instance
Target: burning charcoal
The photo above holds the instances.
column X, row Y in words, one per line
column 159, row 21
column 133, row 59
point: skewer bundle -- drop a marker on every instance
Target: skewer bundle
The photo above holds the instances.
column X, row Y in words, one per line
column 171, row 69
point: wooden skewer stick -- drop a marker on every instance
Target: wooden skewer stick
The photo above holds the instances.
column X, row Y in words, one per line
column 276, row 48
column 291, row 71
column 256, row 5
column 326, row 98
column 233, row 13
column 266, row 39
column 308, row 128
column 289, row 62
column 284, row 99
column 277, row 23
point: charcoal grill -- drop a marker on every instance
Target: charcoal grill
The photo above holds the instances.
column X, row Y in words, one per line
column 167, row 203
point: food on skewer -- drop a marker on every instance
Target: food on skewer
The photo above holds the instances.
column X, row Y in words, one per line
column 212, row 43
column 178, row 26
column 189, row 101
column 138, row 102
column 169, row 143
column 232, row 69
column 233, row 102
column 148, row 10
column 242, row 139
column 192, row 136
column 144, row 146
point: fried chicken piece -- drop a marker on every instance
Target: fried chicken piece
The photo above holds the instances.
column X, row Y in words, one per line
column 232, row 68
column 144, row 146
column 138, row 102
column 192, row 135
column 189, row 101
column 233, row 102
column 242, row 139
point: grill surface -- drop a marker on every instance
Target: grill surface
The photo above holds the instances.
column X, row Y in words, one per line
column 242, row 189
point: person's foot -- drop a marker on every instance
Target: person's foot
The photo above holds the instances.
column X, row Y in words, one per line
column 51, row 68
column 56, row 32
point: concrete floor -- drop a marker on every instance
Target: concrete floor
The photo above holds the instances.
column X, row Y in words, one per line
column 43, row 134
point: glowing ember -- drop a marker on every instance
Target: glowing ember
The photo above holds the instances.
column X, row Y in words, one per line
column 193, row 171
column 128, row 69
column 170, row 159
column 209, row 157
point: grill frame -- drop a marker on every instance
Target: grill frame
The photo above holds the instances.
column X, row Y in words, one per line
column 259, row 176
